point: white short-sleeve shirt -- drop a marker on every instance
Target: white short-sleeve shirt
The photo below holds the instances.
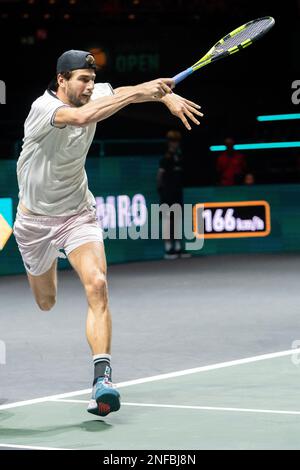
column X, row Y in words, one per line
column 50, row 169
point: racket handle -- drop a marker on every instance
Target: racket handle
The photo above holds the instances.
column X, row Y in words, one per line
column 182, row 75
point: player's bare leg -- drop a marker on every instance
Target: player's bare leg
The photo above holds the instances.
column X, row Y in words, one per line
column 89, row 262
column 44, row 287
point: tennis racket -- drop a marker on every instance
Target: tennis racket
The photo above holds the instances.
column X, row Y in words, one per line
column 235, row 41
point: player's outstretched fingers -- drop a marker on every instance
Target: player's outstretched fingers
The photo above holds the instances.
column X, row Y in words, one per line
column 193, row 110
column 191, row 103
column 185, row 121
column 192, row 117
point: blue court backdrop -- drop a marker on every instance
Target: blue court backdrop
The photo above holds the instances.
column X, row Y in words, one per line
column 123, row 186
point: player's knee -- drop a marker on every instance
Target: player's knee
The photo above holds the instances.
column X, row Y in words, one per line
column 97, row 287
column 46, row 303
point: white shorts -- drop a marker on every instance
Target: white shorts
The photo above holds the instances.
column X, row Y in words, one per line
column 40, row 238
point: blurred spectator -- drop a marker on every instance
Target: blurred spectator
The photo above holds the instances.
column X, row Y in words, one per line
column 170, row 188
column 231, row 165
column 249, row 179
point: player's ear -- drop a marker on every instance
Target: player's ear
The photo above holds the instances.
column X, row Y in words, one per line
column 61, row 80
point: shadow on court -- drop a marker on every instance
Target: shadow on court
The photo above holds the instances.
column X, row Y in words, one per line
column 96, row 426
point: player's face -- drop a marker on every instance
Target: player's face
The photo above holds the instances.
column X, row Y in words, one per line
column 80, row 87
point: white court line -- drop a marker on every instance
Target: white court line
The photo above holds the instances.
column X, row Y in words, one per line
column 154, row 378
column 192, row 407
column 70, row 401
column 17, row 446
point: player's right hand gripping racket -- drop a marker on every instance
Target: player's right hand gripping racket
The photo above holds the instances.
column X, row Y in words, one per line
column 235, row 41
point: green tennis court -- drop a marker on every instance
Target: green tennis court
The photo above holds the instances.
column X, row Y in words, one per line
column 251, row 403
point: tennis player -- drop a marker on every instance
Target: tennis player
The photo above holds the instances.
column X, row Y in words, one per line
column 57, row 211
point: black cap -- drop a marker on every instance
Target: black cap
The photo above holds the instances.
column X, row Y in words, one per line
column 73, row 60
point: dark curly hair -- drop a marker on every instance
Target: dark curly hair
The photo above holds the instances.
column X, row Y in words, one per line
column 53, row 85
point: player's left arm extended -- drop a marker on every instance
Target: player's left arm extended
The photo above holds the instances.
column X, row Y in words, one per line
column 178, row 106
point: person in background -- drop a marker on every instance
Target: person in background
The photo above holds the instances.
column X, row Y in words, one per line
column 231, row 165
column 170, row 189
column 249, row 179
